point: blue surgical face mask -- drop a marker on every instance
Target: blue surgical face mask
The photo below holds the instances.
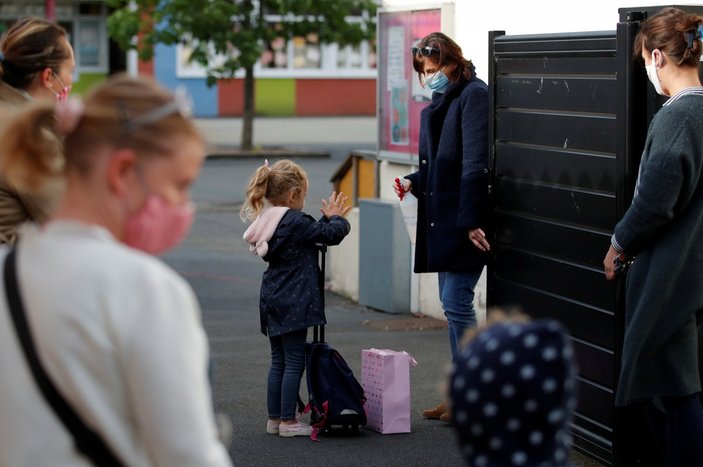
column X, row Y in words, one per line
column 437, row 82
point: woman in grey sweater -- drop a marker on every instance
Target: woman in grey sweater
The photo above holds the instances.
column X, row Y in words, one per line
column 663, row 231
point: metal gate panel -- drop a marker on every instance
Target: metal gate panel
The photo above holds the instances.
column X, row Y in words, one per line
column 557, row 64
column 544, row 164
column 567, row 130
column 553, row 201
column 577, row 94
column 554, row 178
column 569, row 116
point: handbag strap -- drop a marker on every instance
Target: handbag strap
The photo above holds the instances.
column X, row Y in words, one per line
column 86, row 440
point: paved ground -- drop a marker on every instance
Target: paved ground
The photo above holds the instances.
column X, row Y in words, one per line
column 226, row 279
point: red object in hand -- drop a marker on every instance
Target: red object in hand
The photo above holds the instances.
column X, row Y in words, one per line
column 401, row 189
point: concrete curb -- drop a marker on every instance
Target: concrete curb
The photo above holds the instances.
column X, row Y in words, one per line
column 278, row 152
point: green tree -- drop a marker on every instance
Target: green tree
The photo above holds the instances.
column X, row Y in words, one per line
column 226, row 36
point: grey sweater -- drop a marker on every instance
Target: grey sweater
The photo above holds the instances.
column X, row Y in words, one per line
column 663, row 228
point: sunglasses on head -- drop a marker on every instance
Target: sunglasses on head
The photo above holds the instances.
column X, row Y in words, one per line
column 424, row 51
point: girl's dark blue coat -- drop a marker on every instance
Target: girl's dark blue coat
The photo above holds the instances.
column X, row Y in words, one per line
column 452, row 181
column 291, row 297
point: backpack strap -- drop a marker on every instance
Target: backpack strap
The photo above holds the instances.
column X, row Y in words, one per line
column 318, row 332
column 86, row 440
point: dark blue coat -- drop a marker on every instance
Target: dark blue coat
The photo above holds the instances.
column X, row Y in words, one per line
column 452, row 182
column 291, row 297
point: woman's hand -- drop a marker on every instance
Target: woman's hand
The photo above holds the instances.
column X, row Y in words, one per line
column 335, row 205
column 609, row 263
column 478, row 237
column 402, row 186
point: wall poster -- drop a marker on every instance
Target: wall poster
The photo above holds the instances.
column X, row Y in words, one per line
column 400, row 95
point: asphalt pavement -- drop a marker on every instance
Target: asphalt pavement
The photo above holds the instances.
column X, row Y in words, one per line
column 226, row 279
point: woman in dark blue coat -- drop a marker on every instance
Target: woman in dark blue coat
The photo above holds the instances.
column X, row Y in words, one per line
column 451, row 184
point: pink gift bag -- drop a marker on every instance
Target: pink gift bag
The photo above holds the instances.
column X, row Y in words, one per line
column 385, row 376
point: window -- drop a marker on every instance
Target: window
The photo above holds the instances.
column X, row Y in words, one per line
column 299, row 57
column 358, row 57
column 88, row 43
column 306, row 57
column 349, row 57
column 306, row 52
column 84, row 23
column 275, row 54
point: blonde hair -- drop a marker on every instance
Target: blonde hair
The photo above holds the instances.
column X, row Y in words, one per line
column 30, row 46
column 30, row 146
column 272, row 184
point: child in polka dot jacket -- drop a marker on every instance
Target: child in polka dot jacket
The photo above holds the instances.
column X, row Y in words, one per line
column 512, row 394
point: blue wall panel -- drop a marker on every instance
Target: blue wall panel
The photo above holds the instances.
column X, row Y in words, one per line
column 204, row 98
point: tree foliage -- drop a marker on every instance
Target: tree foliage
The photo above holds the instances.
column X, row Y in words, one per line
column 228, row 35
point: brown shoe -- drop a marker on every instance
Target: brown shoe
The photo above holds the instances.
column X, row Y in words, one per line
column 446, row 417
column 437, row 412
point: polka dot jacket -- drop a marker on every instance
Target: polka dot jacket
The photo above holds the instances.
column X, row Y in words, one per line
column 512, row 395
column 290, row 297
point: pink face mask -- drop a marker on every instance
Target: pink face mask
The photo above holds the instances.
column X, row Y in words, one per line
column 158, row 226
column 62, row 95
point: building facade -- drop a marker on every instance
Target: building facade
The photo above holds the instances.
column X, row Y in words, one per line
column 297, row 77
column 85, row 22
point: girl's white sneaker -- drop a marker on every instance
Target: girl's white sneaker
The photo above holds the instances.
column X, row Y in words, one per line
column 272, row 427
column 297, row 429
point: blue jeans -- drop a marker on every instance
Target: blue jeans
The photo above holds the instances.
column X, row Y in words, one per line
column 287, row 365
column 456, row 291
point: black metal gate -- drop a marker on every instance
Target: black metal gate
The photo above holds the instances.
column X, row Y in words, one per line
column 567, row 134
column 555, row 169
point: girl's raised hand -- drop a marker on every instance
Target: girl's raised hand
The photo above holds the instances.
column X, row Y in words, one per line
column 335, row 205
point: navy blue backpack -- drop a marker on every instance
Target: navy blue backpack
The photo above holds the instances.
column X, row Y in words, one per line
column 336, row 397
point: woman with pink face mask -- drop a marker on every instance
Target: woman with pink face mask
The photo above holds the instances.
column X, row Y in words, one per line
column 36, row 63
column 117, row 331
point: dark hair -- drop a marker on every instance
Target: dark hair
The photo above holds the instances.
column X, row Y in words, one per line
column 449, row 54
column 675, row 33
column 30, row 46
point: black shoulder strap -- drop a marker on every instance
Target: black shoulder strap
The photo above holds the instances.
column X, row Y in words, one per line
column 86, row 440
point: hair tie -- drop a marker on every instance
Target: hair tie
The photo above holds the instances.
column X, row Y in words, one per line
column 266, row 164
column 693, row 36
column 68, row 115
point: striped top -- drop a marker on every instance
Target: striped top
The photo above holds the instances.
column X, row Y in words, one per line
column 694, row 90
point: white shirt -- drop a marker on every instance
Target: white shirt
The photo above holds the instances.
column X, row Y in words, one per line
column 120, row 335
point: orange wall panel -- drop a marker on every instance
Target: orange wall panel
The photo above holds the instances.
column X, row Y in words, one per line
column 367, row 179
column 230, row 97
column 335, row 97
